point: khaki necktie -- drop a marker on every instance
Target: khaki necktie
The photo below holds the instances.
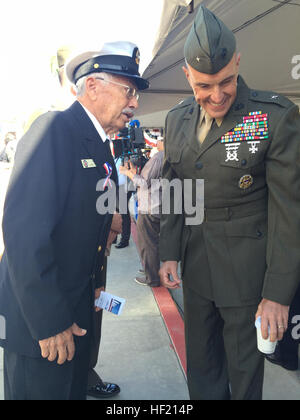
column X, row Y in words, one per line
column 205, row 127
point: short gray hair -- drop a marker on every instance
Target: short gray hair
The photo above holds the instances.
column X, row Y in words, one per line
column 80, row 84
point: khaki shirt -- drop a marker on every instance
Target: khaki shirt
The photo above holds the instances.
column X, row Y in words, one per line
column 201, row 124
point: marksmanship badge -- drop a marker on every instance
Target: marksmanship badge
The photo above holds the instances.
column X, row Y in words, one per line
column 232, row 152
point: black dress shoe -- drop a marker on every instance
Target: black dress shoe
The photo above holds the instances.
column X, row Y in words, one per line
column 105, row 390
column 122, row 245
column 277, row 359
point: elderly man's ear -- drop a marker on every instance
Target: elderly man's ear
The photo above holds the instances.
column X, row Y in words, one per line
column 92, row 88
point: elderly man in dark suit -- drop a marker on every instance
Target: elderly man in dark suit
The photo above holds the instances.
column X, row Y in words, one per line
column 54, row 238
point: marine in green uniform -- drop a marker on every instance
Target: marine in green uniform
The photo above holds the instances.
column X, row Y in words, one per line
column 243, row 261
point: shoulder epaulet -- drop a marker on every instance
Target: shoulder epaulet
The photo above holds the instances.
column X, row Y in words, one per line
column 183, row 104
column 270, row 97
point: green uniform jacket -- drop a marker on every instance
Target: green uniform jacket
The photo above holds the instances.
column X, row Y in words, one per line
column 248, row 247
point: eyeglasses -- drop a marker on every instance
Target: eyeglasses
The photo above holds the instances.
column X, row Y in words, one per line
column 130, row 91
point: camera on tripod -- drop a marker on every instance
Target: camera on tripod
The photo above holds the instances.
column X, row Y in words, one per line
column 130, row 145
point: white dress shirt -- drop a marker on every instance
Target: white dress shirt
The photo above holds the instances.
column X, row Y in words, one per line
column 96, row 123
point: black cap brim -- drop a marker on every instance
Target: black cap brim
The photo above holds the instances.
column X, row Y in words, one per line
column 119, row 65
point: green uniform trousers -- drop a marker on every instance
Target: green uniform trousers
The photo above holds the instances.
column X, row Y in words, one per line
column 222, row 358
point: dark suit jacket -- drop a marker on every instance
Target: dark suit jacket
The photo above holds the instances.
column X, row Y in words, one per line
column 54, row 237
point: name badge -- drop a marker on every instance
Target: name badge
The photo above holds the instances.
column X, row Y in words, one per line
column 88, row 163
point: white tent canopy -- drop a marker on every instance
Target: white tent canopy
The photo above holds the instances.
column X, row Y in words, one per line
column 267, row 32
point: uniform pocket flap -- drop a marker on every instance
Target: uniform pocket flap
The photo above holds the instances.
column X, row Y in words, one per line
column 252, row 229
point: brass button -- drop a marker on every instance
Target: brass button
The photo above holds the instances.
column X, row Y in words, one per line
column 100, row 248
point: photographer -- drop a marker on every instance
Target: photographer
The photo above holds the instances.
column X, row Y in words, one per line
column 148, row 224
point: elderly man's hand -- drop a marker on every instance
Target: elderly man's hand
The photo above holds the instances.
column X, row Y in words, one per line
column 97, row 295
column 61, row 346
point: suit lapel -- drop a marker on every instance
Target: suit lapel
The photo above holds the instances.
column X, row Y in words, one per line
column 91, row 140
column 189, row 126
column 101, row 154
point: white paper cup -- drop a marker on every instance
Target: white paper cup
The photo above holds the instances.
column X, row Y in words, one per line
column 264, row 346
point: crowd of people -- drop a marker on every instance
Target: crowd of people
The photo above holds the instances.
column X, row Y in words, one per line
column 241, row 263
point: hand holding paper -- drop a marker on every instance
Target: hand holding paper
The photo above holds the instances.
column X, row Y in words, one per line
column 110, row 303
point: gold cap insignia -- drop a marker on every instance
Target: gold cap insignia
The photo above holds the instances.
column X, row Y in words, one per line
column 137, row 57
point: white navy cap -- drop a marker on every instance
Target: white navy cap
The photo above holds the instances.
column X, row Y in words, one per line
column 120, row 58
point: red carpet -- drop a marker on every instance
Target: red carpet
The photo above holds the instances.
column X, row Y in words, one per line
column 171, row 316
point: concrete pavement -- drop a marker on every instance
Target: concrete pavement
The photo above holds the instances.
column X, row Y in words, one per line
column 136, row 351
